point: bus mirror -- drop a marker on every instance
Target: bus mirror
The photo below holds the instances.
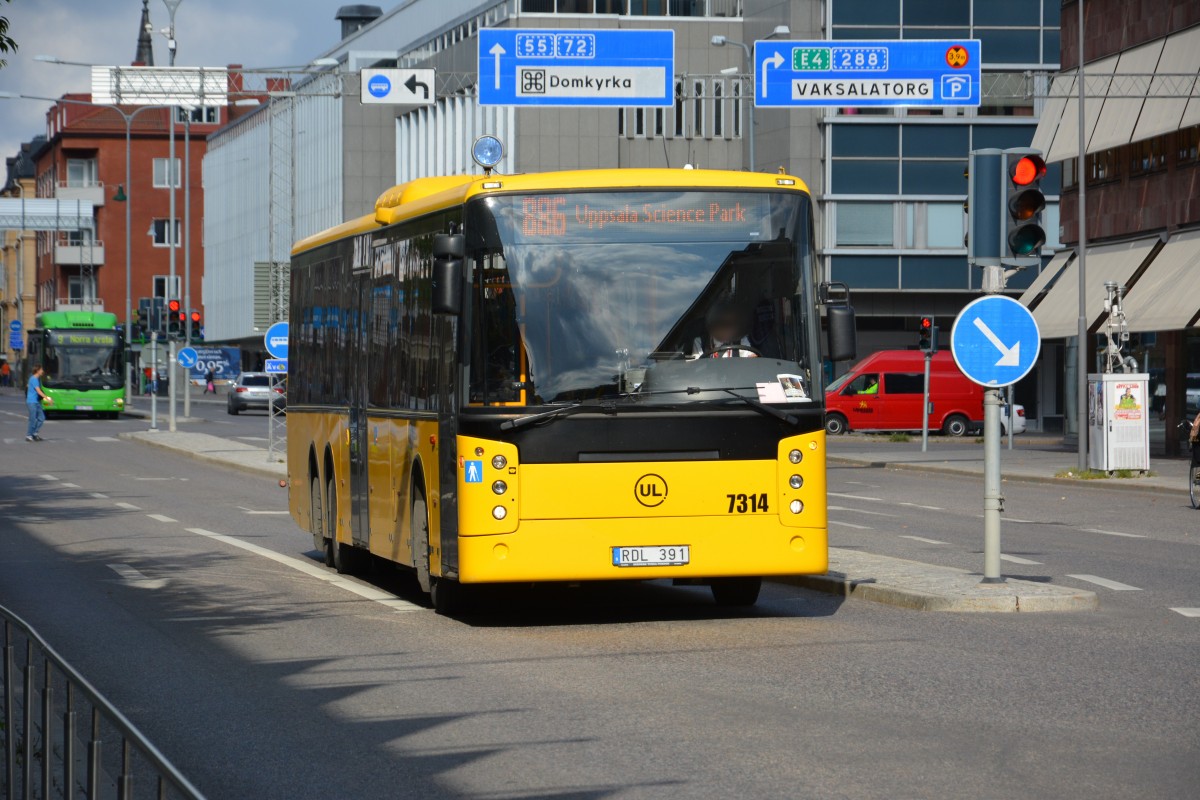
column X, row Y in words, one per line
column 450, row 246
column 843, row 342
column 447, row 285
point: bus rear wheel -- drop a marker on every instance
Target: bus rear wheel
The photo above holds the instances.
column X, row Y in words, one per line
column 450, row 598
column 836, row 425
column 316, row 514
column 736, row 592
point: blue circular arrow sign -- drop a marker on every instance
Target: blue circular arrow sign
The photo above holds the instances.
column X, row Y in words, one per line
column 187, row 357
column 276, row 340
column 995, row 341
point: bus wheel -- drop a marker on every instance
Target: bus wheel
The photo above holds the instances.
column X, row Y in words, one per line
column 956, row 425
column 330, row 518
column 736, row 592
column 835, row 424
column 450, row 598
column 419, row 528
column 316, row 518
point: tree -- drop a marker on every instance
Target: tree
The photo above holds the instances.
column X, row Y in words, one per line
column 7, row 45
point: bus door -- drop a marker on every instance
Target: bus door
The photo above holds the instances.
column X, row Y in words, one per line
column 359, row 429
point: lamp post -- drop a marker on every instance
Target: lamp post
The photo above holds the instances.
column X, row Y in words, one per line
column 122, row 195
column 721, row 41
column 172, row 7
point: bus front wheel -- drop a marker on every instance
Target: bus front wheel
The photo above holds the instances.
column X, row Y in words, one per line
column 836, row 425
column 736, row 592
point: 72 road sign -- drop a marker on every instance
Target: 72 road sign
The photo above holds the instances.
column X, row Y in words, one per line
column 562, row 67
column 886, row 72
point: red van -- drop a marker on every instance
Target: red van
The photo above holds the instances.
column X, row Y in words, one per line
column 883, row 392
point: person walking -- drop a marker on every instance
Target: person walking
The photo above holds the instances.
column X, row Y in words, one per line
column 208, row 382
column 33, row 398
column 5, row 374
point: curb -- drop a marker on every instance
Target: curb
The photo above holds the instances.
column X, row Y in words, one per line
column 219, row 461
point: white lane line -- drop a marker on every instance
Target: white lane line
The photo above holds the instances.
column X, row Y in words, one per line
column 104, row 438
column 1015, row 519
column 128, row 506
column 99, row 496
column 48, row 477
column 921, row 539
column 367, row 592
column 925, row 508
column 137, row 579
column 850, row 525
column 1113, row 533
column 861, row 511
column 252, row 511
column 1187, row 612
column 72, row 486
column 1106, row 583
column 161, row 518
column 251, row 438
column 856, row 497
column 1018, row 560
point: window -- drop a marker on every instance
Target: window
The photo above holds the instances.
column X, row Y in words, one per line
column 1187, row 145
column 639, row 122
column 718, row 109
column 81, row 172
column 1148, row 155
column 160, row 230
column 866, row 140
column 935, row 141
column 865, row 176
column 866, row 272
column 866, row 383
column 698, row 109
column 737, row 109
column 864, row 225
column 164, row 282
column 904, row 383
column 679, row 127
column 161, row 178
column 207, row 115
column 944, row 225
column 1103, row 166
column 934, row 177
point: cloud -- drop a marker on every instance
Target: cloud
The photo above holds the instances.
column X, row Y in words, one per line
column 209, row 33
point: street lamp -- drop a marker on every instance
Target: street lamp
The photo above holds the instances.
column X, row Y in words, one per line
column 172, row 7
column 721, row 41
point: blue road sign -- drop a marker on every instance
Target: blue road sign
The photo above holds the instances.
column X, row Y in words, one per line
column 187, row 357
column 15, row 326
column 15, row 342
column 275, row 365
column 995, row 341
column 276, row 340
column 521, row 67
column 910, row 72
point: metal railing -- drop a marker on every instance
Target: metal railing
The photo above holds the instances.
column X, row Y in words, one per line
column 57, row 732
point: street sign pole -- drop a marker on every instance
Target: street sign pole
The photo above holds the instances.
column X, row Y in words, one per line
column 154, row 380
column 925, row 407
column 171, row 386
column 993, row 501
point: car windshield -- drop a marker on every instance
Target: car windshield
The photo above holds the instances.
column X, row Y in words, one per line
column 681, row 295
column 83, row 360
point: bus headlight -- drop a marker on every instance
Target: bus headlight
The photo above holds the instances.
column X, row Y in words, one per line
column 500, row 512
column 795, row 481
column 499, row 462
column 796, row 507
column 499, row 487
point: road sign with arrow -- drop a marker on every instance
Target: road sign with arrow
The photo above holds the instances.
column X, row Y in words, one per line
column 402, row 87
column 995, row 341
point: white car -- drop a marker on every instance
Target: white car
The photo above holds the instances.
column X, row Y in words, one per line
column 1020, row 417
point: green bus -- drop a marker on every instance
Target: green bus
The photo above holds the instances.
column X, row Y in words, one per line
column 83, row 353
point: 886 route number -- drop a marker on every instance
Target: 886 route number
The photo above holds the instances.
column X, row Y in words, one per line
column 748, row 503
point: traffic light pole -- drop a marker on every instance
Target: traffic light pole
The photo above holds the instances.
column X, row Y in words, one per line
column 925, row 406
column 171, row 386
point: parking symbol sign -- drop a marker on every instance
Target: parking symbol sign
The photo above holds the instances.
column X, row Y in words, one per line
column 473, row 472
column 956, row 87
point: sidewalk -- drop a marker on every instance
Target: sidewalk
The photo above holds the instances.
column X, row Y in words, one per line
column 1033, row 458
column 865, row 576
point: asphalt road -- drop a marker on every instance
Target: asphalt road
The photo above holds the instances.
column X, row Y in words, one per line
column 185, row 595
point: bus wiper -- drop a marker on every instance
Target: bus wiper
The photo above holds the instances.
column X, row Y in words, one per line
column 606, row 407
column 763, row 407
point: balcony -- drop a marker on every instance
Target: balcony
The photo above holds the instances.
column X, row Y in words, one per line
column 78, row 304
column 85, row 191
column 76, row 254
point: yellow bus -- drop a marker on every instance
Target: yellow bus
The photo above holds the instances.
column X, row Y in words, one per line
column 571, row 376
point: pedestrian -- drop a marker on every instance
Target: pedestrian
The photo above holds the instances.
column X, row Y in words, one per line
column 208, row 382
column 5, row 374
column 34, row 397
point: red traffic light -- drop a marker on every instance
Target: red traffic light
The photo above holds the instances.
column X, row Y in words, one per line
column 926, row 324
column 173, row 306
column 1027, row 170
column 195, row 316
column 182, row 316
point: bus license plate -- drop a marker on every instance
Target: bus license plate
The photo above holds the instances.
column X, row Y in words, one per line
column 672, row 555
column 83, row 408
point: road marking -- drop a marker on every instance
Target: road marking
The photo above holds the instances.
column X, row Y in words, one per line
column 104, row 438
column 128, row 506
column 99, row 496
column 1018, row 560
column 856, row 497
column 1113, row 533
column 850, row 525
column 48, row 477
column 1015, row 519
column 926, row 508
column 161, row 518
column 252, row 511
column 72, row 486
column 1187, row 612
column 137, row 579
column 251, row 438
column 367, row 592
column 921, row 539
column 861, row 511
column 1106, row 583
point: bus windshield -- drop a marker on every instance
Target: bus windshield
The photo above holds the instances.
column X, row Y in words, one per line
column 83, row 360
column 682, row 296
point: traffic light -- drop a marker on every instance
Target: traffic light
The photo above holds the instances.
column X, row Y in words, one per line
column 175, row 318
column 1024, row 202
column 984, row 216
column 925, row 333
column 197, row 323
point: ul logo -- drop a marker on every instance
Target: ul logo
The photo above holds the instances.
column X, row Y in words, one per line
column 533, row 81
column 650, row 490
column 957, row 56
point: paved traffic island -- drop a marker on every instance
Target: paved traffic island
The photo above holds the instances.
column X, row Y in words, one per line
column 927, row 587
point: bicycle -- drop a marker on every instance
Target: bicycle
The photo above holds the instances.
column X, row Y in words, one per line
column 1193, row 469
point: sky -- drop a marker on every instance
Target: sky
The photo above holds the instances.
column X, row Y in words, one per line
column 210, row 33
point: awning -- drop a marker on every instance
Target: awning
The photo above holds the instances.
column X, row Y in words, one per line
column 1058, row 313
column 1114, row 114
column 1167, row 296
column 1042, row 283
